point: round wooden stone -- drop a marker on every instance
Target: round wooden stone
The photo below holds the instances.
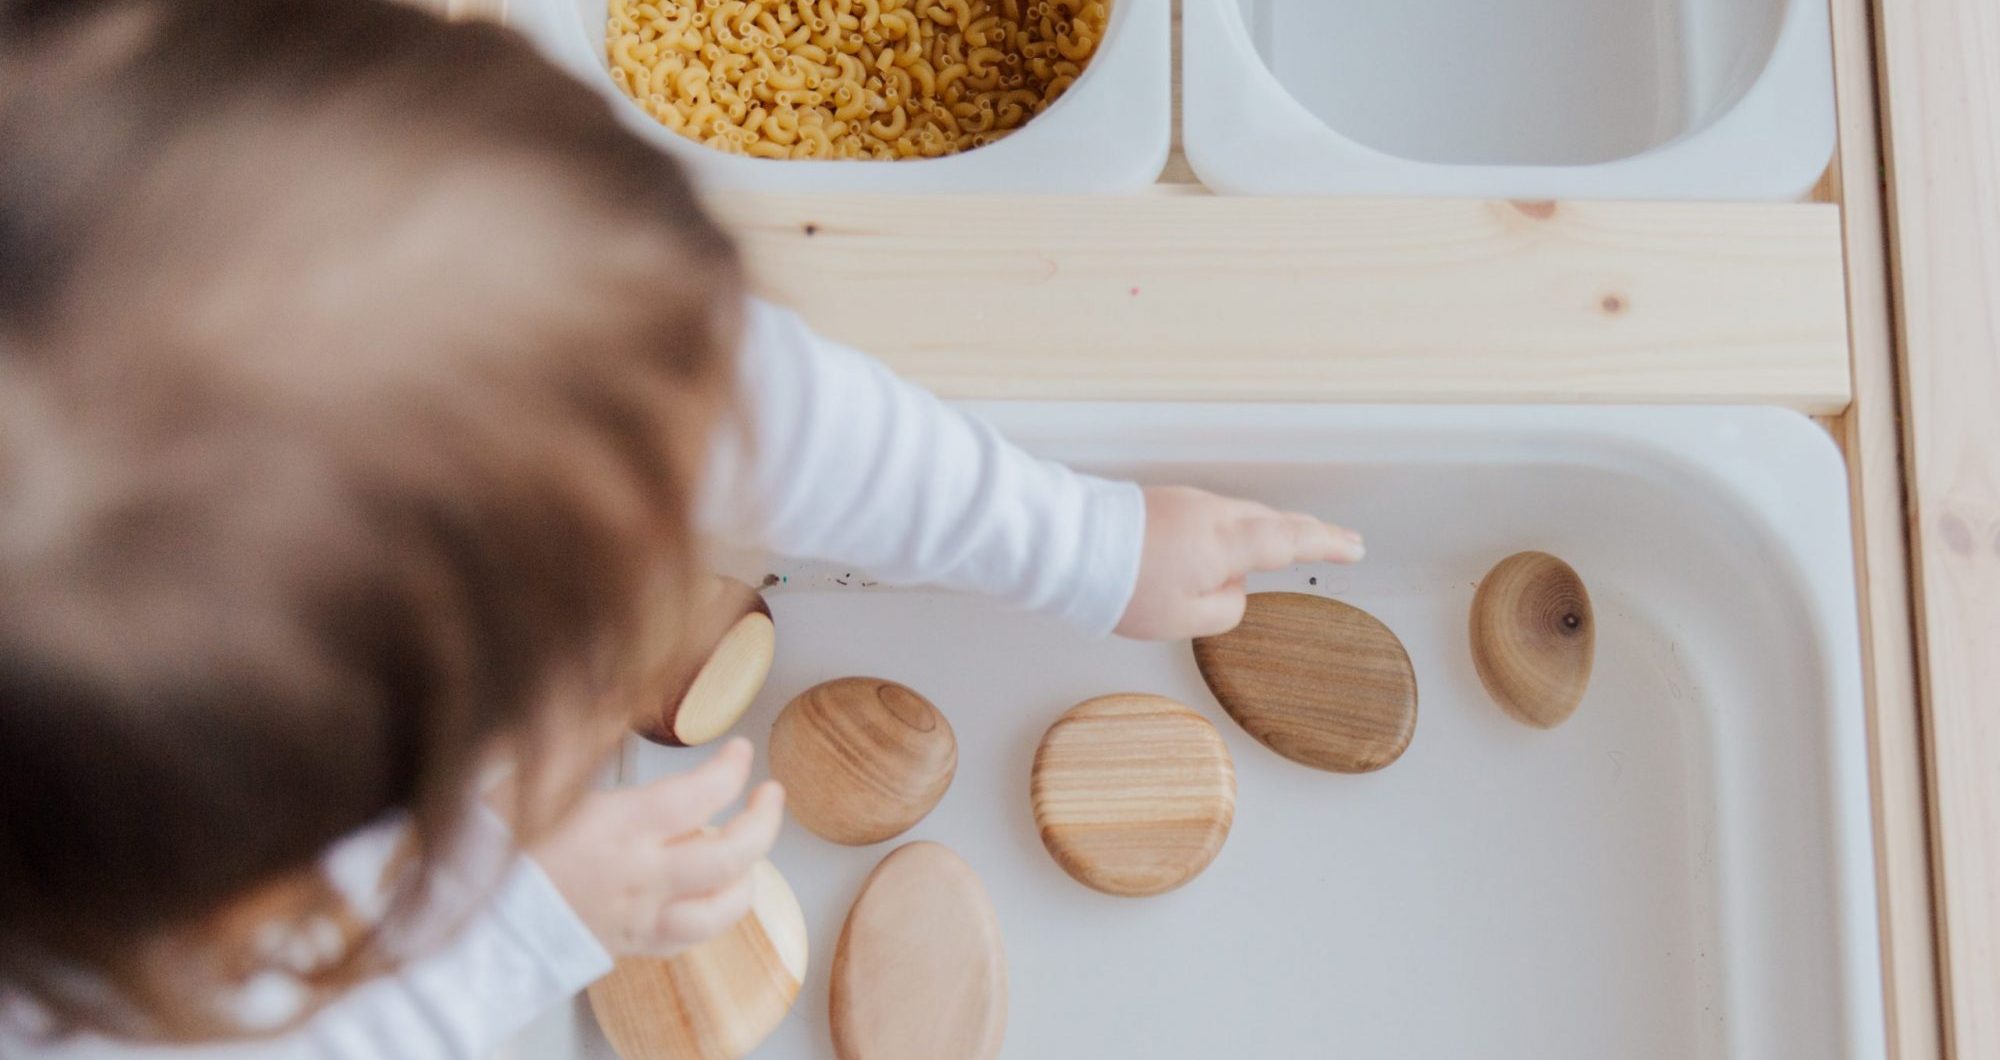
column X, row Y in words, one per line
column 861, row 759
column 920, row 972
column 715, row 1001
column 1133, row 794
column 1533, row 638
column 706, row 702
column 1321, row 682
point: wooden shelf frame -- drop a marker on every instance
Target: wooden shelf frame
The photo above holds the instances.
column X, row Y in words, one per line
column 1870, row 432
column 1940, row 108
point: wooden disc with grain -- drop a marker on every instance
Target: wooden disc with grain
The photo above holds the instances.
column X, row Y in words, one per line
column 1133, row 794
column 920, row 972
column 1533, row 637
column 705, row 703
column 861, row 759
column 1321, row 682
column 718, row 1000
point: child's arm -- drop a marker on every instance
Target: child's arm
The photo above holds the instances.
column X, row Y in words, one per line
column 849, row 463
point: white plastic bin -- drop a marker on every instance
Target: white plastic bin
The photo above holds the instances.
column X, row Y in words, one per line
column 1530, row 99
column 1109, row 132
column 1683, row 869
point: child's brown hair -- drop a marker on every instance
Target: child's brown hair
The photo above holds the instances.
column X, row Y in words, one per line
column 354, row 373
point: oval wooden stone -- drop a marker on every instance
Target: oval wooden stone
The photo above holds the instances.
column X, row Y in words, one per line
column 702, row 705
column 715, row 1001
column 920, row 972
column 1533, row 638
column 1321, row 682
column 862, row 759
column 1133, row 794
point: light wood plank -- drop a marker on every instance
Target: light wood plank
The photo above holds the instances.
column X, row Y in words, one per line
column 1870, row 436
column 1328, row 299
column 1941, row 75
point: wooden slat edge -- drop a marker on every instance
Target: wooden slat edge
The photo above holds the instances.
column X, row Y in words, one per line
column 1940, row 74
column 1226, row 298
column 1872, row 437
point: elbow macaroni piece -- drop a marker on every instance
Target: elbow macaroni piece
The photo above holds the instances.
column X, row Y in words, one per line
column 849, row 79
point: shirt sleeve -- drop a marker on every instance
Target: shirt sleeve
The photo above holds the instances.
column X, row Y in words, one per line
column 521, row 954
column 839, row 460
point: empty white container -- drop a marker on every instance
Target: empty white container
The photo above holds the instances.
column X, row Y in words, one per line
column 1683, row 869
column 1532, row 99
column 1109, row 132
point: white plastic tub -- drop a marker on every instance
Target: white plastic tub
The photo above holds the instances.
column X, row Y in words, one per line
column 1676, row 99
column 1109, row 132
column 1682, row 870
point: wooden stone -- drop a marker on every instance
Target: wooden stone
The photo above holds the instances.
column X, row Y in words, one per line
column 1321, row 682
column 705, row 704
column 861, row 759
column 1533, row 637
column 920, row 972
column 718, row 1000
column 1133, row 794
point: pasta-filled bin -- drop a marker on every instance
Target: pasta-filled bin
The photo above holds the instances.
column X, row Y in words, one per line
column 1108, row 130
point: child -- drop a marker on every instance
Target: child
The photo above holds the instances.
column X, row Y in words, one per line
column 366, row 396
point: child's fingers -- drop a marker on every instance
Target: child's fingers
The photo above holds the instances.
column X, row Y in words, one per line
column 1318, row 541
column 692, row 920
column 698, row 865
column 679, row 804
column 1276, row 540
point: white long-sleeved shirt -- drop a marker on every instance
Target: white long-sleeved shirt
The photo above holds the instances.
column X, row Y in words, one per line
column 842, row 461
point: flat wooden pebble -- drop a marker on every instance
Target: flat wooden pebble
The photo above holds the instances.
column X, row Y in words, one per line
column 861, row 759
column 718, row 1000
column 707, row 702
column 1321, row 682
column 920, row 972
column 1133, row 794
column 1533, row 638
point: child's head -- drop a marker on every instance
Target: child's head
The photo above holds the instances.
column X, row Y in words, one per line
column 354, row 371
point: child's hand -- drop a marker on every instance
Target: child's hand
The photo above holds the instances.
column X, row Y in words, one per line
column 639, row 867
column 1198, row 548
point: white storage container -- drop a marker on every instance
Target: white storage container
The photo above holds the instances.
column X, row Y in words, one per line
column 1528, row 99
column 1683, row 869
column 1109, row 132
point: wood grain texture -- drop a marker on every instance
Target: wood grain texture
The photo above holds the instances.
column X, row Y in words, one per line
column 1534, row 638
column 1871, row 437
column 920, row 972
column 1133, row 794
column 1941, row 78
column 717, row 1001
column 698, row 707
column 862, row 759
column 1275, row 298
column 1319, row 681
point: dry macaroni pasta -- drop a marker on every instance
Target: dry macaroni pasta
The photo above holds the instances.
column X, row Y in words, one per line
column 882, row 79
